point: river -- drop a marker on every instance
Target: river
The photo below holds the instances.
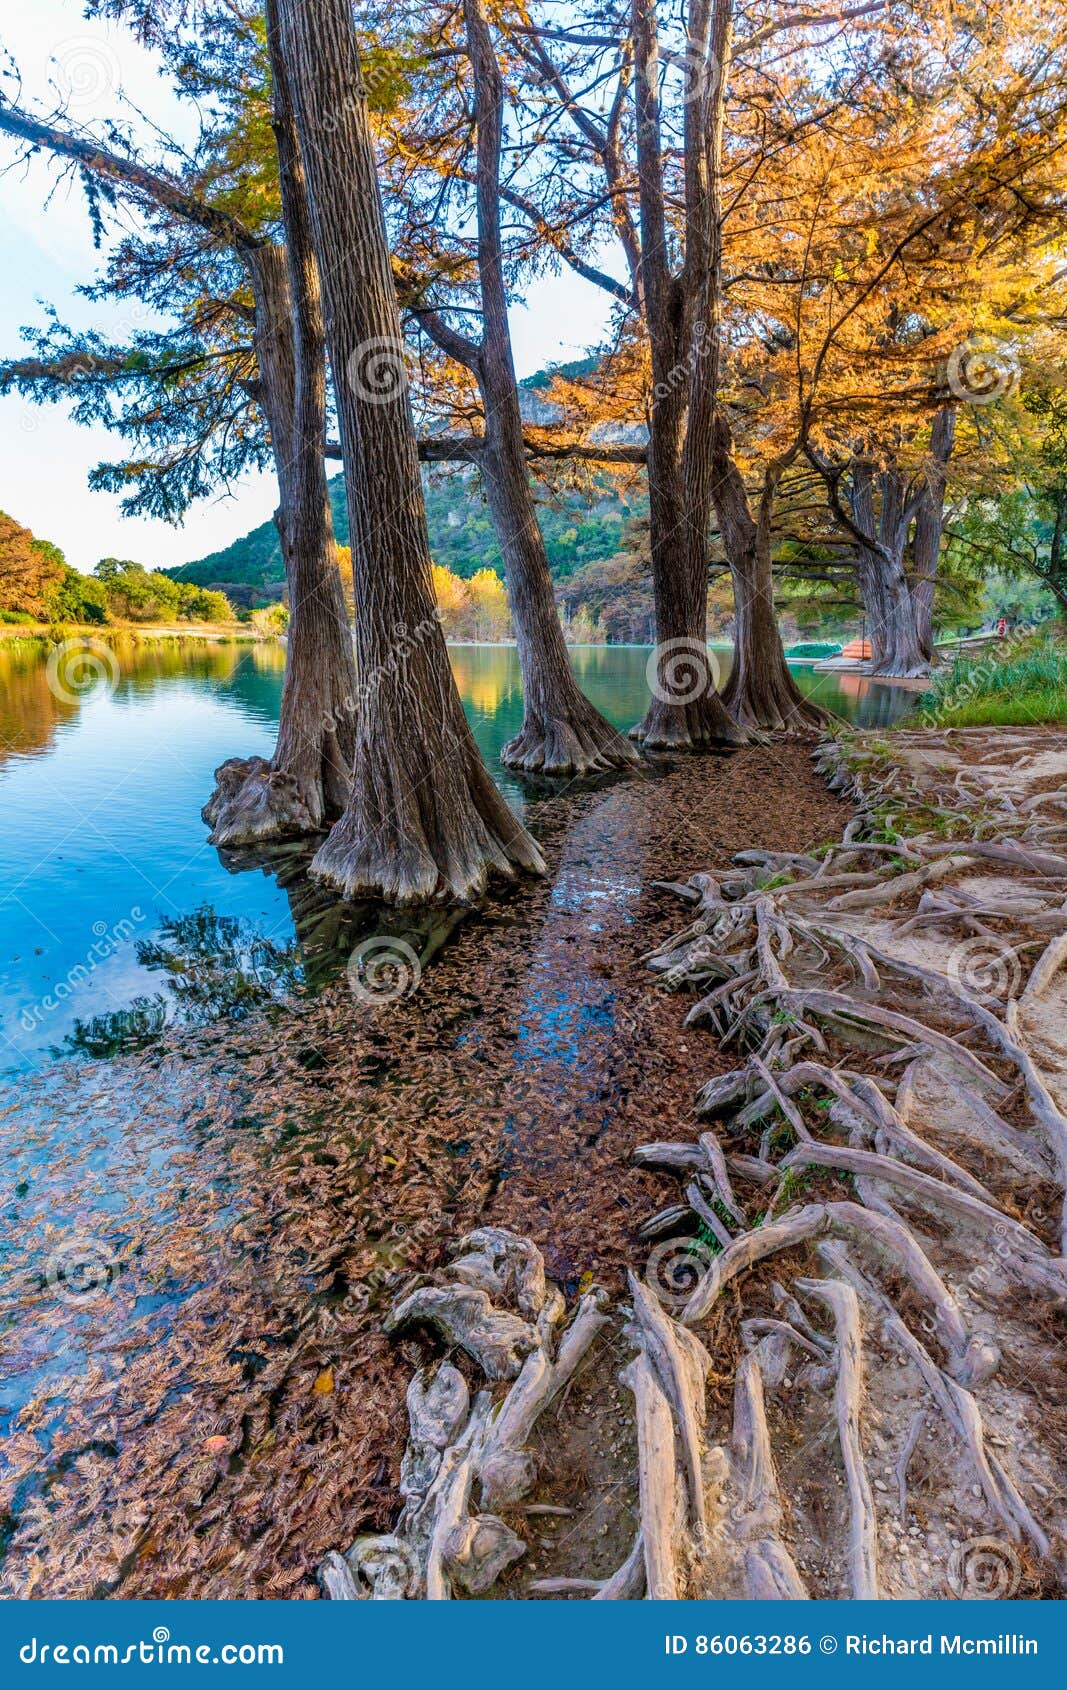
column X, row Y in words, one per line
column 110, row 892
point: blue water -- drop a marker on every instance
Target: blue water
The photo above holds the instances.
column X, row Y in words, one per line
column 101, row 840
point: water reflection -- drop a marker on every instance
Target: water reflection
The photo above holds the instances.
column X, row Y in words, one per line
column 100, row 831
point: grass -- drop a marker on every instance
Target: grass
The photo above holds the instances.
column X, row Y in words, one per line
column 1027, row 685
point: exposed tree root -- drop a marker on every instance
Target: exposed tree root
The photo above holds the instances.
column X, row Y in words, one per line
column 253, row 801
column 871, row 1189
column 689, row 724
column 571, row 743
column 842, row 955
column 863, row 1533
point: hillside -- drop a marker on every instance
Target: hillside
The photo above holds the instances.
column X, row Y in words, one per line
column 579, row 528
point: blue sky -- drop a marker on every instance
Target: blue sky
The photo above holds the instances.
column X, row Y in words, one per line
column 44, row 458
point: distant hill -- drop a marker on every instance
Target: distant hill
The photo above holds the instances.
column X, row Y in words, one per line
column 579, row 528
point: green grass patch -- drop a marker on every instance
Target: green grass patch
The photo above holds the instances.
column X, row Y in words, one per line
column 1025, row 686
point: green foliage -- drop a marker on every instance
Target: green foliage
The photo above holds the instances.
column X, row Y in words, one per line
column 1014, row 544
column 1028, row 685
column 272, row 619
column 137, row 594
column 77, row 598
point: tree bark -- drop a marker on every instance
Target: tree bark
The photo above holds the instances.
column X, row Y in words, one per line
column 881, row 576
column 308, row 777
column 929, row 522
column 760, row 691
column 424, row 819
column 686, row 712
column 562, row 733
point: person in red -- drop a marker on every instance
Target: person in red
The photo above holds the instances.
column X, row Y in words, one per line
column 1002, row 627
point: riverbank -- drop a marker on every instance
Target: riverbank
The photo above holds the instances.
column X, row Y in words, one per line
column 109, row 632
column 836, row 1373
column 221, row 1407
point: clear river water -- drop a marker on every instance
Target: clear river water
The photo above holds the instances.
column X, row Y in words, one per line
column 103, row 854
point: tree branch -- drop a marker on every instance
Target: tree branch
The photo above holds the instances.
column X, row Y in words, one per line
column 161, row 190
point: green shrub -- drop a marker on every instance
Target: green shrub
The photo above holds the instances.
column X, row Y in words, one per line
column 1028, row 683
column 270, row 619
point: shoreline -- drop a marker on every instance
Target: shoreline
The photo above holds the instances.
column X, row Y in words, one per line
column 49, row 632
column 242, row 634
column 860, row 1201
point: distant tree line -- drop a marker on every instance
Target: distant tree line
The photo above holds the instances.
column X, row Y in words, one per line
column 37, row 584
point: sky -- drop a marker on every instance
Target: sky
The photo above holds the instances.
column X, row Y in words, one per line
column 45, row 458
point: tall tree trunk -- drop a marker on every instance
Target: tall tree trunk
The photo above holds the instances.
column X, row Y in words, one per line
column 881, row 577
column 760, row 691
column 307, row 780
column 686, row 712
column 424, row 818
column 562, row 733
column 929, row 522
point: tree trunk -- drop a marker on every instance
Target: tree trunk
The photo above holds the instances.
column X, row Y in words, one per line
column 424, row 818
column 929, row 522
column 760, row 691
column 881, row 577
column 307, row 780
column 686, row 712
column 562, row 733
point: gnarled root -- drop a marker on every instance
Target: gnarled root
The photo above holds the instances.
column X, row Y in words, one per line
column 470, row 1462
column 570, row 744
column 699, row 724
column 465, row 1459
column 872, row 1069
column 770, row 1571
column 863, row 1536
column 254, row 801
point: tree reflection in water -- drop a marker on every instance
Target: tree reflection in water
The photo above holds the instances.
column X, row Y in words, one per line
column 220, row 967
